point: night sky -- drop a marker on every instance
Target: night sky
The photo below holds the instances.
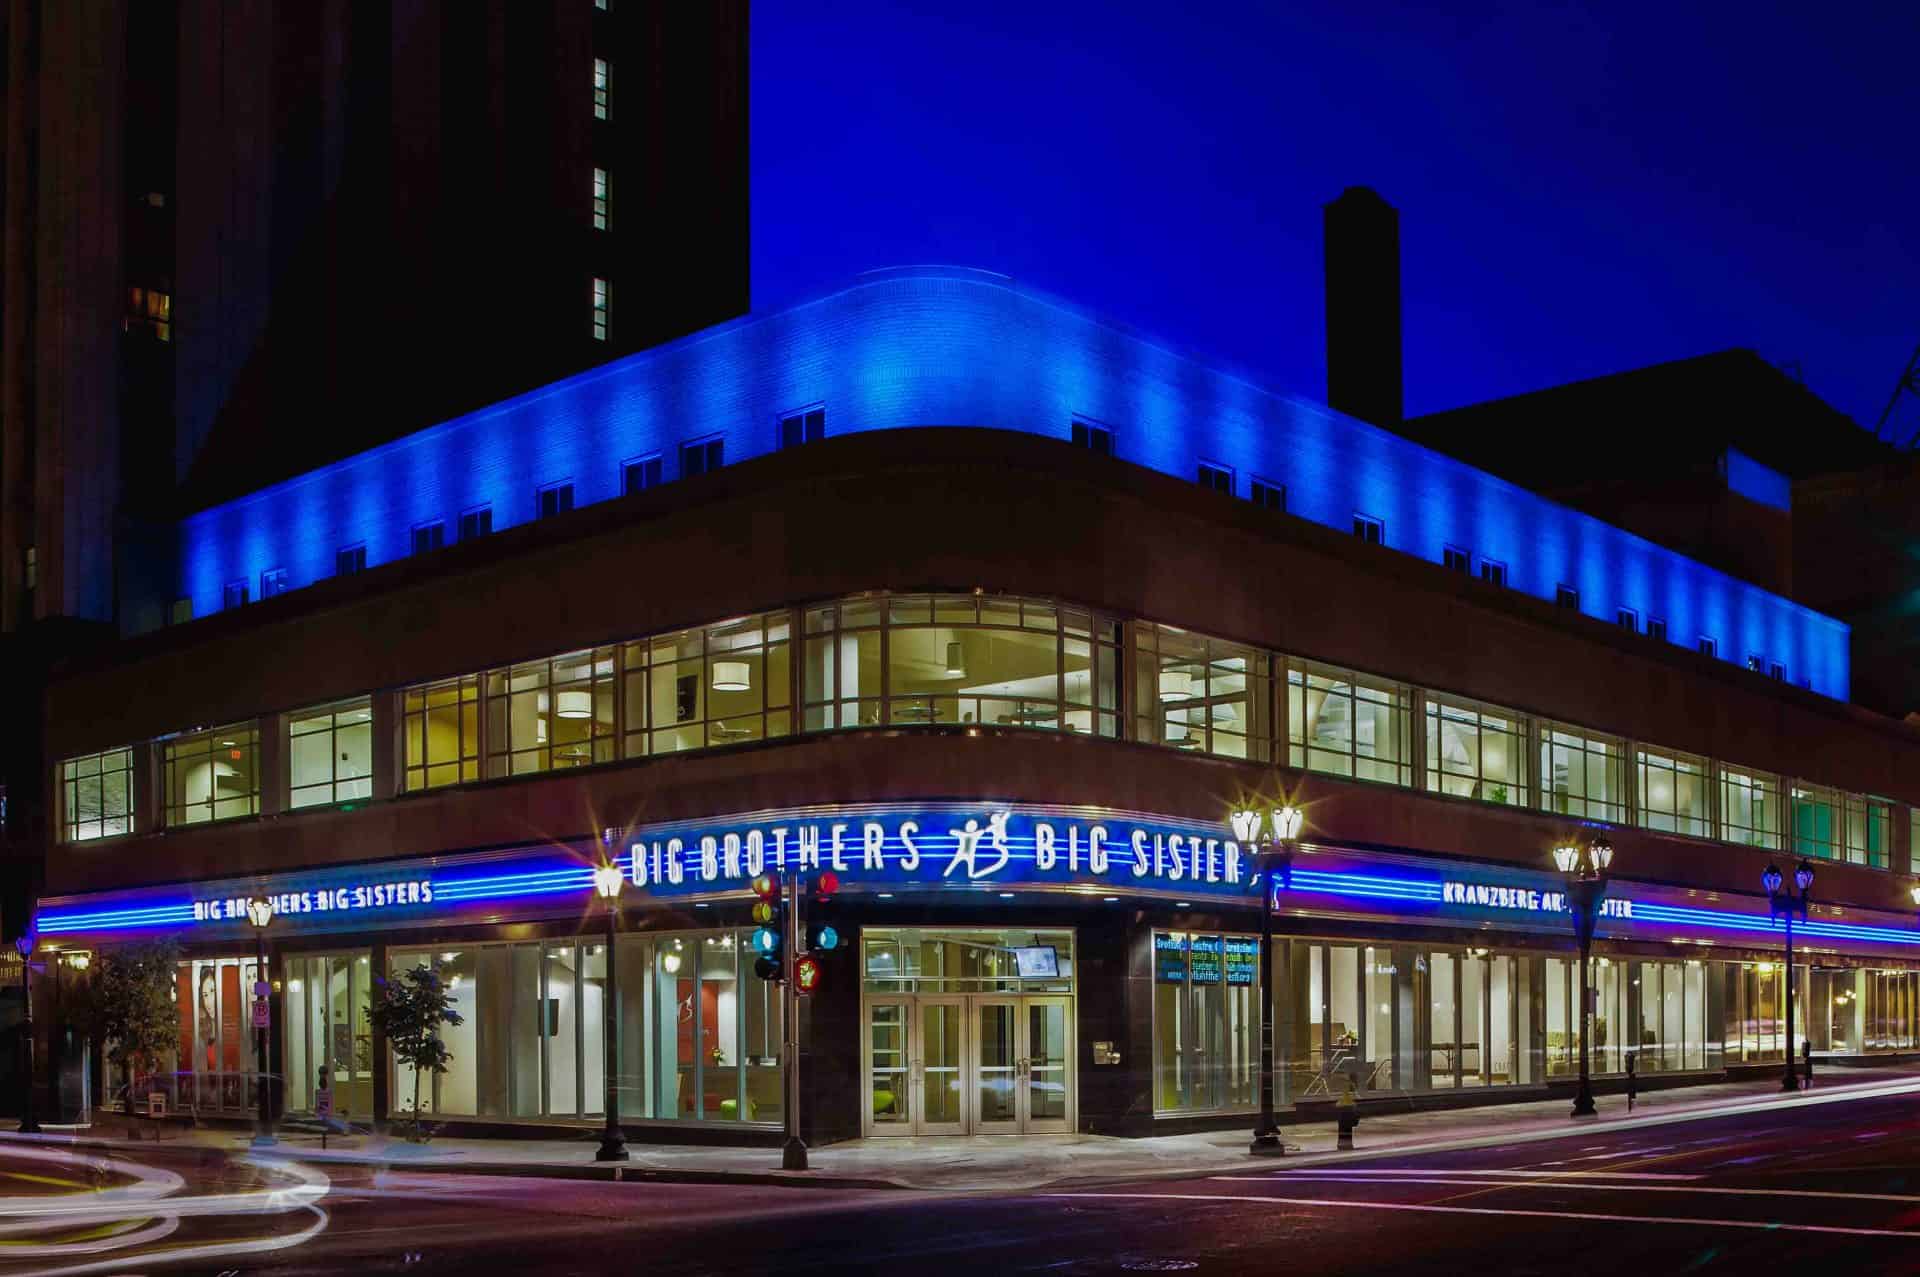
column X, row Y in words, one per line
column 1582, row 188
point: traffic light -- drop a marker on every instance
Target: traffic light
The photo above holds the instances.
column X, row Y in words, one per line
column 823, row 936
column 766, row 939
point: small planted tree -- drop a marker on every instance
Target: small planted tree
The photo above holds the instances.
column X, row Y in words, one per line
column 133, row 1007
column 408, row 1010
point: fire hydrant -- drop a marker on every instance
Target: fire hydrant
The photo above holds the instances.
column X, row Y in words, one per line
column 1348, row 1115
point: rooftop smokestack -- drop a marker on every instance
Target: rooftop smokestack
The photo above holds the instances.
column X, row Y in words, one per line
column 1363, row 307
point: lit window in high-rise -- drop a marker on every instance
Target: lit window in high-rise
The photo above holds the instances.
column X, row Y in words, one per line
column 600, row 79
column 602, row 200
column 602, row 308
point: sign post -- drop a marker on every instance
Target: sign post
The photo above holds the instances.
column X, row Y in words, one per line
column 793, row 1154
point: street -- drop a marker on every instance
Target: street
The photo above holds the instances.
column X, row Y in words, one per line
column 1756, row 1190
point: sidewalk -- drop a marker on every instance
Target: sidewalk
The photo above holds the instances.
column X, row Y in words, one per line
column 1004, row 1163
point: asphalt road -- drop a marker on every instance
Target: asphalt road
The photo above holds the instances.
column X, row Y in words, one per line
column 1815, row 1186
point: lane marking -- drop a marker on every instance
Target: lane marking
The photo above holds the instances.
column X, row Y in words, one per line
column 1360, row 1177
column 1425, row 1208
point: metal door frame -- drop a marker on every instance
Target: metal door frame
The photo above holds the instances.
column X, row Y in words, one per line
column 970, row 1123
column 1068, row 1121
column 917, row 1063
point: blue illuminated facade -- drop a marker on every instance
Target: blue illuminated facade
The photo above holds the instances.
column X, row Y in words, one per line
column 945, row 347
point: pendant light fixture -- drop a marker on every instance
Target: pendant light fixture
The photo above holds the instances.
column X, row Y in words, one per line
column 1176, row 685
column 731, row 676
column 575, row 704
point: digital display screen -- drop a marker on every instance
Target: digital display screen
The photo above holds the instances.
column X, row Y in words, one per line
column 1037, row 962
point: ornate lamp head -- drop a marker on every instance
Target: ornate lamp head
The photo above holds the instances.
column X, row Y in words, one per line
column 1803, row 876
column 259, row 911
column 1771, row 880
column 608, row 880
column 1245, row 823
column 1287, row 821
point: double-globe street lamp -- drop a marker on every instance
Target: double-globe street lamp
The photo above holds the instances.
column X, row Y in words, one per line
column 607, row 883
column 259, row 916
column 1271, row 836
column 1585, row 869
column 24, row 942
column 1785, row 902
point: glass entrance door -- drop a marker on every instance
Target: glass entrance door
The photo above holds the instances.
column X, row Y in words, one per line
column 969, row 1065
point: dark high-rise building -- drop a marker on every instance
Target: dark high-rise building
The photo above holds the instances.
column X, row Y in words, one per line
column 245, row 240
column 1364, row 377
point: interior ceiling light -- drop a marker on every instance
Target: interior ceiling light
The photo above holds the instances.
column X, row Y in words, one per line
column 956, row 660
column 575, row 704
column 731, row 676
column 1176, row 685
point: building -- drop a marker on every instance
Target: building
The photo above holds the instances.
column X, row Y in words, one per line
column 242, row 241
column 993, row 607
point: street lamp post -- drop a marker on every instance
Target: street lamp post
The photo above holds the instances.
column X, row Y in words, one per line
column 1272, row 839
column 1785, row 902
column 24, row 942
column 607, row 882
column 1585, row 869
column 260, row 914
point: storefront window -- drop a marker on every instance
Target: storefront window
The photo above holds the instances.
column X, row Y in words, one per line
column 330, row 754
column 1869, row 831
column 699, row 1033
column 1673, row 792
column 1750, row 807
column 960, row 960
column 213, row 775
column 1205, row 1022
column 1202, row 694
column 723, row 684
column 551, row 714
column 1347, row 724
column 328, row 1035
column 1816, row 821
column 97, row 795
column 1582, row 773
column 1474, row 751
column 442, row 727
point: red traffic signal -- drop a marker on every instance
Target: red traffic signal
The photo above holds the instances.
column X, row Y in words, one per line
column 826, row 883
column 806, row 974
column 767, row 887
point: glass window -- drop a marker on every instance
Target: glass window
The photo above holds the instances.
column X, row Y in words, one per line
column 1816, row 821
column 551, row 714
column 330, row 753
column 723, row 684
column 213, row 775
column 1476, row 751
column 1749, row 807
column 1347, row 724
column 97, row 795
column 1205, row 1022
column 442, row 727
column 1673, row 792
column 602, row 88
column 602, row 199
column 1869, row 830
column 1202, row 694
column 1582, row 773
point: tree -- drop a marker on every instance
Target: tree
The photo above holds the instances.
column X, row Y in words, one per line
column 409, row 1010
column 133, row 1006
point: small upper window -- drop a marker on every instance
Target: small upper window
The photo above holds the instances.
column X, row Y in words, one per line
column 699, row 457
column 150, row 311
column 1566, row 596
column 234, row 595
column 602, row 200
column 476, row 522
column 1754, row 662
column 602, row 308
column 602, row 88
column 273, row 581
column 639, row 475
column 1454, row 559
column 1493, row 572
column 1776, row 671
column 1628, row 620
column 808, row 426
column 1271, row 495
column 1098, row 438
column 1706, row 646
column 428, row 537
column 1219, row 478
column 1369, row 529
column 1656, row 628
column 350, row 560
column 555, row 498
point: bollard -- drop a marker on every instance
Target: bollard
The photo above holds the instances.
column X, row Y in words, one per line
column 1806, row 1059
column 1347, row 1116
column 1633, row 1080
